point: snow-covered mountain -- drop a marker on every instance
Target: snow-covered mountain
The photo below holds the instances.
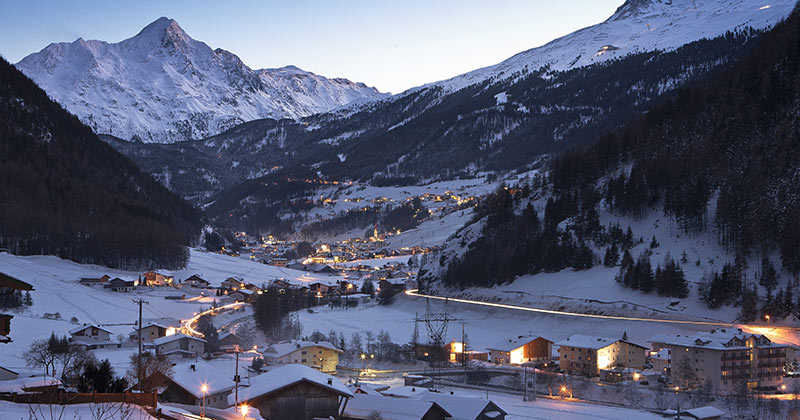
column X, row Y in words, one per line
column 163, row 86
column 636, row 26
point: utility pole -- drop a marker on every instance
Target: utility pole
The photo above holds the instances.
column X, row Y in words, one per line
column 236, row 377
column 139, row 359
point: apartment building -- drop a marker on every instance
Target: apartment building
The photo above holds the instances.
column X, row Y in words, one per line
column 723, row 358
column 586, row 355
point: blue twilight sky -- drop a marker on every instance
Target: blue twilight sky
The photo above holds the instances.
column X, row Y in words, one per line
column 393, row 45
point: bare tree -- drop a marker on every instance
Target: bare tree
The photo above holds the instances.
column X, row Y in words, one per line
column 154, row 369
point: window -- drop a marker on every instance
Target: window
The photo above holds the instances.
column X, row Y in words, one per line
column 304, row 360
column 303, row 352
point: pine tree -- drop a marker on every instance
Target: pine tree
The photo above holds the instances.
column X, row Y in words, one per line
column 611, row 256
column 769, row 277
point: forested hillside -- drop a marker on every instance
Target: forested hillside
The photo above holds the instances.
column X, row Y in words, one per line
column 722, row 155
column 65, row 192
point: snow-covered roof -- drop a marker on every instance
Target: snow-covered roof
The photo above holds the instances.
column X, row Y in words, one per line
column 81, row 328
column 19, row 385
column 460, row 408
column 192, row 380
column 406, row 391
column 722, row 339
column 363, row 406
column 586, row 342
column 662, row 354
column 282, row 349
column 170, row 338
column 364, row 388
column 287, row 375
column 705, row 412
column 244, row 291
column 512, row 343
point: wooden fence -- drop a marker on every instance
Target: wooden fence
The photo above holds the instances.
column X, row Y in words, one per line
column 148, row 400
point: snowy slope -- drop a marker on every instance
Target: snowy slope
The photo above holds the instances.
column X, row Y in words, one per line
column 163, row 86
column 637, row 26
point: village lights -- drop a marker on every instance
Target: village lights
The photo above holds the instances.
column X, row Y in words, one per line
column 363, row 356
column 243, row 409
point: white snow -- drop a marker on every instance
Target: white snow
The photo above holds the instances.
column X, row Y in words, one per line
column 634, row 28
column 163, row 86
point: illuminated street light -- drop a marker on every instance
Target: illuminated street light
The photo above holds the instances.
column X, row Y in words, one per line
column 204, row 389
column 243, row 410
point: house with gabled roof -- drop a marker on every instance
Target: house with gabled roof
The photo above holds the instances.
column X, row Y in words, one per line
column 365, row 407
column 178, row 346
column 8, row 282
column 197, row 282
column 321, row 355
column 586, row 355
column 521, row 349
column 295, row 392
column 466, row 408
column 184, row 385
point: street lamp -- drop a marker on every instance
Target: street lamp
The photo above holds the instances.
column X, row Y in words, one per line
column 243, row 410
column 204, row 389
column 767, row 318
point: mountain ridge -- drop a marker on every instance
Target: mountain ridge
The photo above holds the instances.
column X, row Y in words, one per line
column 162, row 86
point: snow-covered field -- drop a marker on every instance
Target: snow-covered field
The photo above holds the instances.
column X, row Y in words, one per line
column 56, row 290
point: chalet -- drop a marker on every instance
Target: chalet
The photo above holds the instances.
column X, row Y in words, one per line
column 89, row 332
column 365, row 407
column 154, row 278
column 229, row 341
column 119, row 285
column 521, row 349
column 93, row 337
column 8, row 374
column 184, row 385
column 455, row 352
column 587, row 355
column 9, row 283
column 280, row 284
column 393, row 285
column 279, row 262
column 321, row 268
column 232, row 283
column 179, row 346
column 197, row 282
column 319, row 289
column 322, row 355
column 703, row 413
column 94, row 281
column 151, row 332
column 465, row 408
column 243, row 295
column 296, row 392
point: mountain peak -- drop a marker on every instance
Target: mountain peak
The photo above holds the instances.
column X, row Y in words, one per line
column 161, row 27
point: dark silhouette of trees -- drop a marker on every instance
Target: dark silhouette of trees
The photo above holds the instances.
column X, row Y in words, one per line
column 65, row 192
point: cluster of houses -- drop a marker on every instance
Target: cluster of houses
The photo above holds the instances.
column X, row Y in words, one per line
column 720, row 359
column 296, row 391
column 148, row 279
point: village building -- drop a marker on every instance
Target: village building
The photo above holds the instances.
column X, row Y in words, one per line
column 243, row 295
column 8, row 374
column 587, row 355
column 466, row 408
column 521, row 349
column 229, row 342
column 197, row 282
column 296, row 266
column 119, row 285
column 92, row 337
column 178, row 346
column 232, row 283
column 660, row 360
column 322, row 355
column 184, row 385
column 364, row 407
column 94, row 281
column 393, row 285
column 703, row 413
column 723, row 358
column 279, row 262
column 156, row 279
column 151, row 332
column 321, row 269
column 455, row 352
column 295, row 392
column 9, row 283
